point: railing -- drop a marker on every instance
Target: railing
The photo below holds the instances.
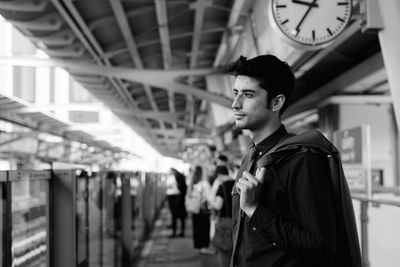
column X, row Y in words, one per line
column 364, row 219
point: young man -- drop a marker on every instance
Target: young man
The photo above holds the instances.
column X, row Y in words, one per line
column 289, row 212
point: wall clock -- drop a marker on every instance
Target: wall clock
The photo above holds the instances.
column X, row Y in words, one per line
column 310, row 24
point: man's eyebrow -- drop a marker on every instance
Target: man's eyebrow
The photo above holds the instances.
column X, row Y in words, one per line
column 245, row 90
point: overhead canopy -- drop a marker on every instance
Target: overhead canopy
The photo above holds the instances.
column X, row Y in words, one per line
column 20, row 112
column 148, row 60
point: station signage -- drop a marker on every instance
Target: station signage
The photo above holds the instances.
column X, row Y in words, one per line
column 349, row 145
column 354, row 146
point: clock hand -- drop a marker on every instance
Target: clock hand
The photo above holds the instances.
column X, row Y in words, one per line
column 304, row 3
column 304, row 16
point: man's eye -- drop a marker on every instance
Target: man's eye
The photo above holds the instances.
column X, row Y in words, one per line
column 248, row 94
column 235, row 94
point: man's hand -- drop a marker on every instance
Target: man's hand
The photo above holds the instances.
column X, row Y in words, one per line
column 250, row 188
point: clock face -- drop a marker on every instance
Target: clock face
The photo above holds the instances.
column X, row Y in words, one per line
column 311, row 24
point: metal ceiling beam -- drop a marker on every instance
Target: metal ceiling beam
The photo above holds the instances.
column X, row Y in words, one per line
column 358, row 99
column 47, row 108
column 183, row 123
column 239, row 8
column 125, row 28
column 120, row 47
column 176, row 133
column 165, row 78
column 24, row 5
column 48, row 22
column 129, row 14
column 161, row 115
column 366, row 68
column 74, row 20
column 199, row 8
column 202, row 94
column 165, row 116
column 162, row 19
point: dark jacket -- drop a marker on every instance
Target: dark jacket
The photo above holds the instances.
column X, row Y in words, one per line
column 282, row 232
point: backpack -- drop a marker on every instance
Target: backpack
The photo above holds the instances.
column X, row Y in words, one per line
column 315, row 142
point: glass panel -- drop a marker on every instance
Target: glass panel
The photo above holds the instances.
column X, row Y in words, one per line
column 109, row 237
column 95, row 222
column 137, row 186
column 82, row 219
column 30, row 221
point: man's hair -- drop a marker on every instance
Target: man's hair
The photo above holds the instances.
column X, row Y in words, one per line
column 272, row 74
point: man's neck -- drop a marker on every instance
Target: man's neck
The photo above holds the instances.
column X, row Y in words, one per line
column 262, row 133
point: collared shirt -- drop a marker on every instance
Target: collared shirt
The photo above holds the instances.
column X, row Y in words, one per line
column 295, row 222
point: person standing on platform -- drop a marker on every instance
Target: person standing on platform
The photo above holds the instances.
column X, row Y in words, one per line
column 221, row 173
column 176, row 200
column 197, row 205
column 291, row 203
column 221, row 202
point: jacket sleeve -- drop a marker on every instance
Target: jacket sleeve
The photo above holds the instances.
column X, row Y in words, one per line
column 311, row 235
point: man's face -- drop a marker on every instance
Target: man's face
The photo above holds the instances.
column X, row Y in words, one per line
column 250, row 104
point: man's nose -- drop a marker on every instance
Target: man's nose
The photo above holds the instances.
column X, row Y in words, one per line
column 237, row 103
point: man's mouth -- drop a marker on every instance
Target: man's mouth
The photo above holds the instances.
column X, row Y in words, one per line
column 239, row 115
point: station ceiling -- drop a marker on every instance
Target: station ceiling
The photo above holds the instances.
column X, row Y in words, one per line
column 147, row 59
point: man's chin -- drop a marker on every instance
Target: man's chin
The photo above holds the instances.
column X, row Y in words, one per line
column 240, row 125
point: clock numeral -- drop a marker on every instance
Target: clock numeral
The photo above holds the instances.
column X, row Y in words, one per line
column 280, row 6
column 340, row 19
column 329, row 31
column 284, row 22
column 313, row 35
column 342, row 3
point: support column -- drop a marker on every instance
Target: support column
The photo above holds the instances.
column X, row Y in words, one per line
column 389, row 39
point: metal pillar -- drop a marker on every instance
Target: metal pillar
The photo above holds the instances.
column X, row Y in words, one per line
column 364, row 233
column 389, row 39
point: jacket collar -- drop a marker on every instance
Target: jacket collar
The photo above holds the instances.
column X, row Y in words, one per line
column 268, row 142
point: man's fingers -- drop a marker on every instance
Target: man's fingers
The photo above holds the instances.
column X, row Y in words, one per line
column 249, row 177
column 260, row 174
column 246, row 181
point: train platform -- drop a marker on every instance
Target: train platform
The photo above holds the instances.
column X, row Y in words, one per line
column 162, row 251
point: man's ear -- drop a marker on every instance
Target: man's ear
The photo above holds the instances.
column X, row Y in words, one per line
column 277, row 102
